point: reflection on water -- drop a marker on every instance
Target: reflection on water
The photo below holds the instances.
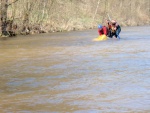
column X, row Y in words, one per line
column 67, row 72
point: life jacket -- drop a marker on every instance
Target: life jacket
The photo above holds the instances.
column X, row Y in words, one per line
column 103, row 31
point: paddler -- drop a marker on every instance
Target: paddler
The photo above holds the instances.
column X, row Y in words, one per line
column 102, row 30
column 115, row 29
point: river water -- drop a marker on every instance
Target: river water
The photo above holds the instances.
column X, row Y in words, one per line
column 68, row 72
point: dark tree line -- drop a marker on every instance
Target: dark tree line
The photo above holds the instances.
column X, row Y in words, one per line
column 39, row 16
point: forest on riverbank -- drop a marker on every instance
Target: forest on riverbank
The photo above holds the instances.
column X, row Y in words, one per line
column 44, row 16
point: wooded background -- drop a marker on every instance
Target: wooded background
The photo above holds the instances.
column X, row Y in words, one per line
column 39, row 16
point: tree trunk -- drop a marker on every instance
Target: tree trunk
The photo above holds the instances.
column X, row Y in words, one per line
column 4, row 22
column 96, row 11
column 0, row 17
column 149, row 11
column 3, row 15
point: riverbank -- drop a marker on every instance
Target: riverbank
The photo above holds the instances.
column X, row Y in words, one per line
column 36, row 16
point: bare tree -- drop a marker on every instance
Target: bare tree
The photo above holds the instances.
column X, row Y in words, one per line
column 3, row 15
column 4, row 4
column 96, row 10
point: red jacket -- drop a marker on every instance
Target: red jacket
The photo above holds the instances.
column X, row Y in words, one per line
column 103, row 31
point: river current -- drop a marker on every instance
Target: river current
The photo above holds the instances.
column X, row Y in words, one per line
column 68, row 72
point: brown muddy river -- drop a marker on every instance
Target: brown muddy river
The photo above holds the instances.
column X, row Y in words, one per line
column 69, row 73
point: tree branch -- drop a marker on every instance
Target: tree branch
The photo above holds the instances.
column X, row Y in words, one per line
column 12, row 3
